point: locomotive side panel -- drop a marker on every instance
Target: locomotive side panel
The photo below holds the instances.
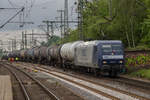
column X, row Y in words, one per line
column 85, row 55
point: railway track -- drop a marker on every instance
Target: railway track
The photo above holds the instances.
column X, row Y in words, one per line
column 31, row 93
column 121, row 79
column 98, row 88
column 17, row 90
column 133, row 82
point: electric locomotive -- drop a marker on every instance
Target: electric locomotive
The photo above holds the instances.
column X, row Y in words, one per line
column 101, row 56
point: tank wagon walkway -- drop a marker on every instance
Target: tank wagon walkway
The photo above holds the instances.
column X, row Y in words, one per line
column 5, row 88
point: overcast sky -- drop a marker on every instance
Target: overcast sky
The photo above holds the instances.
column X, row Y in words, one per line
column 36, row 11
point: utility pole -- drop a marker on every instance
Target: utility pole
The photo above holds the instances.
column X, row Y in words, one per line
column 32, row 35
column 66, row 24
column 52, row 22
column 12, row 45
column 35, row 42
column 32, row 38
column 9, row 45
column 25, row 39
column 22, row 40
column 47, row 23
column 61, row 22
column 52, row 28
column 51, row 25
column 80, row 19
column 47, row 28
column 15, row 44
column 1, row 44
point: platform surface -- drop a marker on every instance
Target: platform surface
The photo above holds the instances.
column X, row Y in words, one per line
column 5, row 88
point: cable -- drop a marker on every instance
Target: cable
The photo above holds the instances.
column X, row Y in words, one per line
column 11, row 18
column 31, row 6
column 56, row 27
column 43, row 3
column 10, row 3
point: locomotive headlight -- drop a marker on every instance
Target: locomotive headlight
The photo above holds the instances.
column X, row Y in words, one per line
column 104, row 62
column 120, row 62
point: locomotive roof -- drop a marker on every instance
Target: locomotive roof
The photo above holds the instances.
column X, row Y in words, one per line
column 110, row 41
column 96, row 42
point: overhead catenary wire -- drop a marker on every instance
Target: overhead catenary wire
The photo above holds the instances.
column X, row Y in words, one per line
column 12, row 4
column 22, row 9
column 23, row 15
column 30, row 7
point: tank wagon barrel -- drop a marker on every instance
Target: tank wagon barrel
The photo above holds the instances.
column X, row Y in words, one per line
column 30, row 54
column 67, row 50
column 22, row 54
column 42, row 54
column 42, row 51
column 36, row 53
column 54, row 54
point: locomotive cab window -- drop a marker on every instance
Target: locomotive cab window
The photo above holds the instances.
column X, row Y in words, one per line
column 106, row 48
column 114, row 48
column 117, row 48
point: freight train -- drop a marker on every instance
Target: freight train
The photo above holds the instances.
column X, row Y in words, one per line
column 99, row 56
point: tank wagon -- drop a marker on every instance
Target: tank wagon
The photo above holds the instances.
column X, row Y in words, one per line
column 54, row 54
column 42, row 54
column 30, row 54
column 93, row 56
column 36, row 54
column 13, row 54
column 10, row 55
column 67, row 53
column 22, row 55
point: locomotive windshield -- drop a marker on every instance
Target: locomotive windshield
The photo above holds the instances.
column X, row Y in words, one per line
column 112, row 48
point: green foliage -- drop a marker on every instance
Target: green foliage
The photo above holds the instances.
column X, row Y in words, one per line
column 146, row 29
column 72, row 37
column 129, row 22
column 144, row 73
column 51, row 41
column 126, row 21
column 139, row 47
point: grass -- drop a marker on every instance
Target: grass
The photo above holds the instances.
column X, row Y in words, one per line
column 143, row 73
column 139, row 47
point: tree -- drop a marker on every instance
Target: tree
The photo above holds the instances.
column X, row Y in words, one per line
column 126, row 20
column 51, row 41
